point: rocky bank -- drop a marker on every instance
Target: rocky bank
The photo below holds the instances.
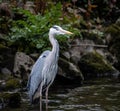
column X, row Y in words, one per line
column 83, row 59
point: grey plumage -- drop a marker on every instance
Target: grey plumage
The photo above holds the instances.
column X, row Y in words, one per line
column 35, row 77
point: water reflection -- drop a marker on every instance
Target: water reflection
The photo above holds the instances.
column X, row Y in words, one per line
column 94, row 96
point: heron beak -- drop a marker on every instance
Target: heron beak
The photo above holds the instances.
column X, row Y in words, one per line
column 66, row 32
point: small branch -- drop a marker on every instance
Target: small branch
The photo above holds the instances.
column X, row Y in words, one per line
column 94, row 45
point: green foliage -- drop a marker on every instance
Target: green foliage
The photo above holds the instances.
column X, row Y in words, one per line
column 32, row 30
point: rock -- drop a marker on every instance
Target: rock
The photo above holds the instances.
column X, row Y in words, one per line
column 95, row 65
column 5, row 71
column 113, row 41
column 66, row 55
column 78, row 48
column 92, row 61
column 69, row 70
column 22, row 65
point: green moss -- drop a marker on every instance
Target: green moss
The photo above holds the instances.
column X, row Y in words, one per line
column 13, row 83
column 114, row 41
column 93, row 63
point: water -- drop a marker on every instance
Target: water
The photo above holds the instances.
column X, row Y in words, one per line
column 100, row 95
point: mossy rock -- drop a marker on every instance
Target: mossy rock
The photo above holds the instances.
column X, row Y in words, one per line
column 12, row 83
column 11, row 99
column 94, row 65
column 114, row 41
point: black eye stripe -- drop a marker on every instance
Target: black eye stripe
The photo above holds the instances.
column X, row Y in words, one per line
column 55, row 27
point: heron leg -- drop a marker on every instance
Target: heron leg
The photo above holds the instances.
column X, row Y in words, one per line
column 41, row 97
column 46, row 94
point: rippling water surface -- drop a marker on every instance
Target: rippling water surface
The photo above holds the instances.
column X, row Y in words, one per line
column 101, row 95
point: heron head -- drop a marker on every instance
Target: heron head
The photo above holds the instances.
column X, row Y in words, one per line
column 57, row 30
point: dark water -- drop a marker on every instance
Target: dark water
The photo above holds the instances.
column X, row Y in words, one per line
column 100, row 95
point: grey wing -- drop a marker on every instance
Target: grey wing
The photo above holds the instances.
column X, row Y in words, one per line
column 35, row 77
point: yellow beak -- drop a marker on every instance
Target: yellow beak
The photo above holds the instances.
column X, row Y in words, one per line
column 67, row 32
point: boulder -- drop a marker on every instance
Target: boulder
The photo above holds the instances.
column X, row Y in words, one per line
column 86, row 42
column 79, row 47
column 95, row 65
column 69, row 70
column 22, row 65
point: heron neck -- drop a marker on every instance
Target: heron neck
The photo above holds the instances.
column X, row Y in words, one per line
column 55, row 45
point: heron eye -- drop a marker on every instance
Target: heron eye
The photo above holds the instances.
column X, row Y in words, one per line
column 44, row 56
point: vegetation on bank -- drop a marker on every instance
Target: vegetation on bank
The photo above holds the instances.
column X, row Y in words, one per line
column 30, row 32
column 27, row 30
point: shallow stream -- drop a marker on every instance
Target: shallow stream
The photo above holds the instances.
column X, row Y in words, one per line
column 100, row 95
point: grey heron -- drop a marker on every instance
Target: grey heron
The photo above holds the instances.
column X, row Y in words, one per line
column 45, row 68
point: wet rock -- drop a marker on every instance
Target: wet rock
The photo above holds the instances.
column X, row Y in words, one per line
column 10, row 99
column 22, row 65
column 69, row 70
column 95, row 65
